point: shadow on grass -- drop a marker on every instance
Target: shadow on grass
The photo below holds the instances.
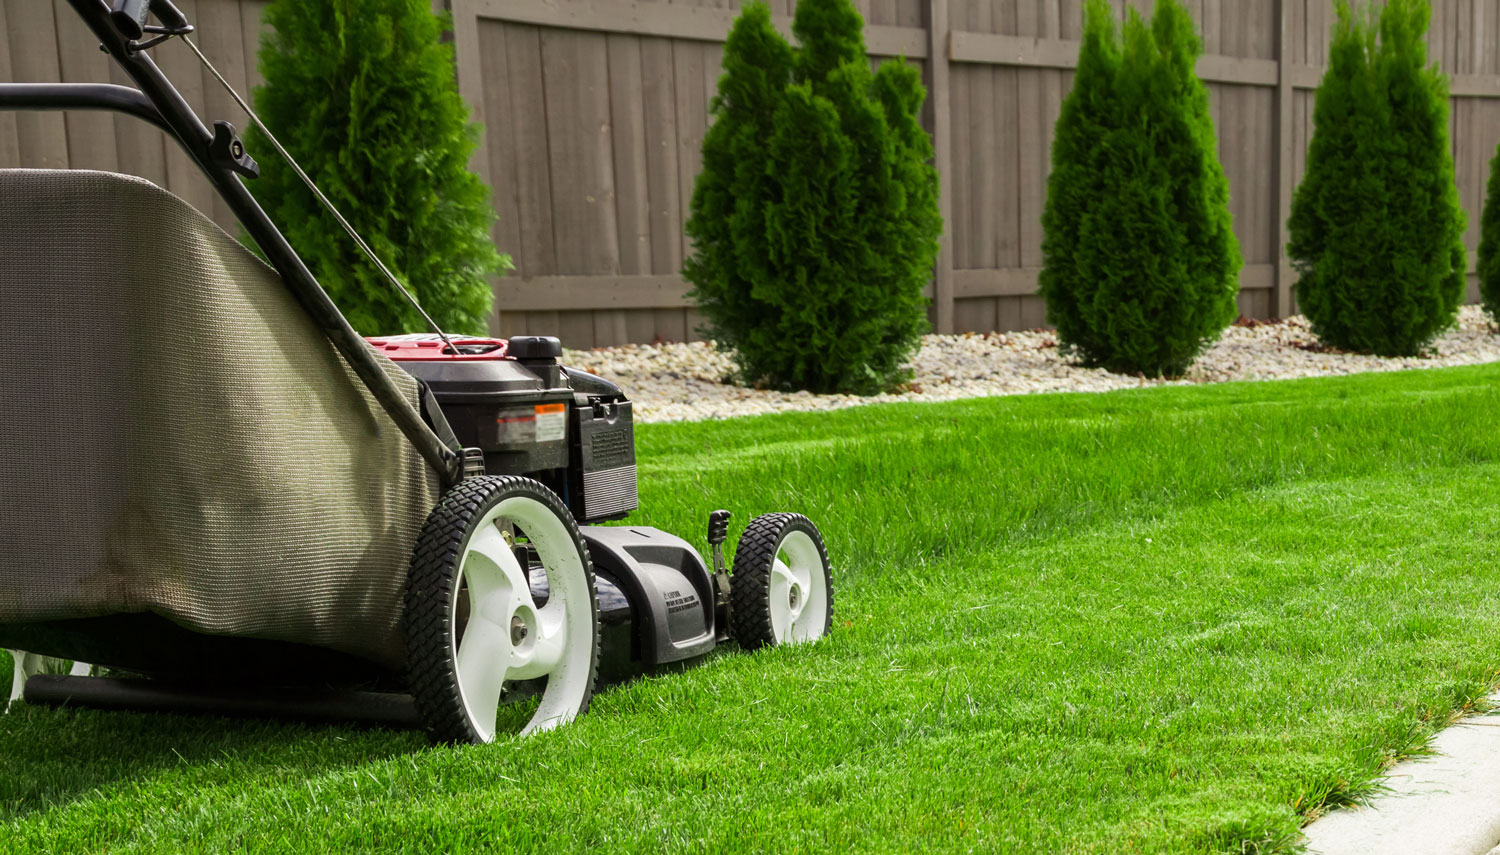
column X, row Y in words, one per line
column 54, row 757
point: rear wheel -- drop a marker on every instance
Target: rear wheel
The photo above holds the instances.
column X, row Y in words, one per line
column 781, row 591
column 500, row 613
column 18, row 676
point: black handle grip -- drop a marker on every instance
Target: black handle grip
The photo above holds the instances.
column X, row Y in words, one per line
column 129, row 17
column 718, row 527
column 169, row 15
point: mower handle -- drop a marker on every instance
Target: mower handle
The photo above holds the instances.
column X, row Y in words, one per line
column 130, row 16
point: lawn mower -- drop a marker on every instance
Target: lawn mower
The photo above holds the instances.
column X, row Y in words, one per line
column 225, row 500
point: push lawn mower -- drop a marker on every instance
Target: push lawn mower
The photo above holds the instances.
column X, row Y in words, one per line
column 218, row 491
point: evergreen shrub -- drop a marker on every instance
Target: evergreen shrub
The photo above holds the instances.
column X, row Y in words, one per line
column 1376, row 227
column 363, row 94
column 1140, row 262
column 814, row 221
column 1488, row 262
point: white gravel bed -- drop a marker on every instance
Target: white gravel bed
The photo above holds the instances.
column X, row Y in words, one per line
column 685, row 382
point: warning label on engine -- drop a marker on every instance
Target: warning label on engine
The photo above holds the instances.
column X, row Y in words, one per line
column 551, row 422
column 516, row 427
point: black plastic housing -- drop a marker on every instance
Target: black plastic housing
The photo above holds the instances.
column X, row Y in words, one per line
column 667, row 585
column 569, row 429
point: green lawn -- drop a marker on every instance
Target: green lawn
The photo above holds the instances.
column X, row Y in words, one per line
column 1172, row 620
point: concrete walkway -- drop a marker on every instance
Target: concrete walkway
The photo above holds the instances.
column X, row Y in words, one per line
column 1445, row 804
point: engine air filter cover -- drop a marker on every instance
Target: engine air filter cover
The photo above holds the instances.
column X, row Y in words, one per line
column 605, row 476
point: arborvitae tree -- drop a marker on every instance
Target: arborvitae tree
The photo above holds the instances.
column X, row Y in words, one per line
column 814, row 221
column 1376, row 226
column 1140, row 262
column 1489, row 243
column 363, row 94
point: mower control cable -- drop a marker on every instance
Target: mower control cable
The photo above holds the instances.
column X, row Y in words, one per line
column 328, row 205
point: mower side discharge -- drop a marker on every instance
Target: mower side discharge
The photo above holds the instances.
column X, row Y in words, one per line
column 669, row 589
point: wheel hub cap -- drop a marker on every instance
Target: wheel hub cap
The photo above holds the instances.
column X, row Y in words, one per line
column 799, row 597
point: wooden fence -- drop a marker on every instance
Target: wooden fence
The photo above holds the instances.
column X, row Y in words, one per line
column 594, row 111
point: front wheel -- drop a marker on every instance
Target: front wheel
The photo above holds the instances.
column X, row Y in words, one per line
column 500, row 597
column 781, row 591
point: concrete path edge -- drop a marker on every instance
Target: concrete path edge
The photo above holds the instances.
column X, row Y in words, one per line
column 1444, row 804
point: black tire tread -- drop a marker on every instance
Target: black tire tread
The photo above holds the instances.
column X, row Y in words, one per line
column 750, row 584
column 426, row 620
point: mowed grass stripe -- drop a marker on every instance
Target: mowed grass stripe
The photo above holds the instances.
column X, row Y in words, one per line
column 1173, row 620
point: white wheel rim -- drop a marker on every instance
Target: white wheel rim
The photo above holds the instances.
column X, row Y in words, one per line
column 18, row 678
column 799, row 590
column 507, row 637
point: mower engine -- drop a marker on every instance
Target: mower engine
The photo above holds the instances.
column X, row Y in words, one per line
column 573, row 431
column 566, row 428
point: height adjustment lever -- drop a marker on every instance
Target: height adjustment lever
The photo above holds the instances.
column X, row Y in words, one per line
column 229, row 152
column 718, row 532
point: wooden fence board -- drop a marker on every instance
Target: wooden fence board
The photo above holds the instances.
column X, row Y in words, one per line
column 662, row 178
column 632, row 196
column 182, row 68
column 500, row 122
column 975, row 144
column 42, row 138
column 579, row 151
column 91, row 135
column 965, row 194
column 219, row 38
column 141, row 148
column 536, row 254
column 10, row 146
column 579, row 136
column 691, row 102
column 940, row 104
column 632, row 203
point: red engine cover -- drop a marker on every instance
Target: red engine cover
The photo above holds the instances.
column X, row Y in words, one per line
column 430, row 348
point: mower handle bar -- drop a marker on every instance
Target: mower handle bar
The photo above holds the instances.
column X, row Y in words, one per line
column 81, row 96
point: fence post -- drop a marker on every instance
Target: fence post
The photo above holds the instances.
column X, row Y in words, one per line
column 942, row 146
column 1281, row 297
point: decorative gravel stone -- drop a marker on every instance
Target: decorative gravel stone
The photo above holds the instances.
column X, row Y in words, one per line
column 678, row 382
